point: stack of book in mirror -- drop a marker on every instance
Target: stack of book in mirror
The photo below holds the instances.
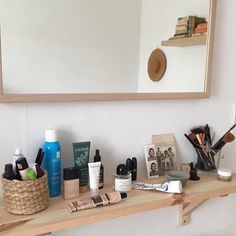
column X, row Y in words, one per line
column 201, row 29
column 189, row 26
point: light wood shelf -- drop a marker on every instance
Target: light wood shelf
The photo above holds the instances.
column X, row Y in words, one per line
column 188, row 41
column 56, row 217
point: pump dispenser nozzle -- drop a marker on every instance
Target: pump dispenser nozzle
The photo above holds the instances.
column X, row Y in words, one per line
column 97, row 156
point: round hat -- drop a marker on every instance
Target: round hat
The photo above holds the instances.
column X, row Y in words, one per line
column 156, row 65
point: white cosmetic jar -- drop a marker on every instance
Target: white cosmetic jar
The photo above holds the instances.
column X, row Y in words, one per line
column 224, row 174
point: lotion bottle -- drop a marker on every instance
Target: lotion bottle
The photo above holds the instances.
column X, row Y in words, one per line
column 52, row 162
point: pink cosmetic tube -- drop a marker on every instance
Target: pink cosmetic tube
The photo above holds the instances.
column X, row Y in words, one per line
column 96, row 201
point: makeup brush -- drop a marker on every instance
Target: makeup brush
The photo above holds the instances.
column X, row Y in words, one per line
column 200, row 138
column 232, row 127
column 191, row 141
column 220, row 140
column 207, row 134
column 38, row 155
column 227, row 138
column 199, row 134
column 197, row 130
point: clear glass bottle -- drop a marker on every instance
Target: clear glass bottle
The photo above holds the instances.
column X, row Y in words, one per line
column 122, row 179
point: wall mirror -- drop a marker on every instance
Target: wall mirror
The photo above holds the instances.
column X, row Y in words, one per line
column 72, row 50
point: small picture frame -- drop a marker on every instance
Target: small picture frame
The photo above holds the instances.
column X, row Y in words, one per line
column 151, row 161
column 165, row 148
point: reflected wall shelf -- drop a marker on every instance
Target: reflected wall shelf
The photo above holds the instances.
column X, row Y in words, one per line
column 188, row 41
column 56, row 217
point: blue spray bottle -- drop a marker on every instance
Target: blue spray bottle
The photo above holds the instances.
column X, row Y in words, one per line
column 52, row 162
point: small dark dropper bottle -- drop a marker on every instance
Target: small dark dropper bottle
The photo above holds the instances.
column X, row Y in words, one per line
column 97, row 158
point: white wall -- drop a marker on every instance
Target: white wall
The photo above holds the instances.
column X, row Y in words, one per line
column 185, row 69
column 120, row 129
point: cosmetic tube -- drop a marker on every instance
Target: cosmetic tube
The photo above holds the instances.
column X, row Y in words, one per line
column 31, row 175
column 36, row 168
column 96, row 201
column 22, row 166
column 169, row 187
column 81, row 158
column 94, row 171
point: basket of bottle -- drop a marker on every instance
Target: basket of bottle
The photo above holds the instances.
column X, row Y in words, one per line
column 25, row 197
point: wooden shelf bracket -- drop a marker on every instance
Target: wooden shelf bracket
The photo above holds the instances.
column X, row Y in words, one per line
column 186, row 209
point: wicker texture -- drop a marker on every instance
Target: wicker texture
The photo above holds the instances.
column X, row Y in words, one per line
column 25, row 197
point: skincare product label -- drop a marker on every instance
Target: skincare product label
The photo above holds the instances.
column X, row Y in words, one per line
column 122, row 185
column 58, row 154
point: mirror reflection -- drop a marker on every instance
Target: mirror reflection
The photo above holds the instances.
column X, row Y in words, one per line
column 83, row 46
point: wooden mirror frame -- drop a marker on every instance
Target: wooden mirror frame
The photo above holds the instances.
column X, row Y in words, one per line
column 67, row 97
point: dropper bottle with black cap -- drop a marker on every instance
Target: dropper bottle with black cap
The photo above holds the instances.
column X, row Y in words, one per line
column 97, row 158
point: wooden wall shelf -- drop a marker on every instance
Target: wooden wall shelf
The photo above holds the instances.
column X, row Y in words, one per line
column 56, row 217
column 188, row 41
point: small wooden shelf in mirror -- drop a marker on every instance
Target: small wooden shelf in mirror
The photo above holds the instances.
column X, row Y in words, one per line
column 188, row 41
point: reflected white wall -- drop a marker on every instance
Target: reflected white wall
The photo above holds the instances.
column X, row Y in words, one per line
column 185, row 71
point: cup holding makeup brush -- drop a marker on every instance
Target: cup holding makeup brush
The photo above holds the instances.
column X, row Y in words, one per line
column 205, row 161
column 201, row 141
column 207, row 154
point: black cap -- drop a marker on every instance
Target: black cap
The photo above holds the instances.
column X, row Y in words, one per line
column 134, row 163
column 123, row 195
column 121, row 169
column 129, row 164
column 97, row 156
column 9, row 174
column 70, row 173
column 134, row 168
column 22, row 163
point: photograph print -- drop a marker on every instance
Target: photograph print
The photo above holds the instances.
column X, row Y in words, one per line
column 165, row 152
column 151, row 161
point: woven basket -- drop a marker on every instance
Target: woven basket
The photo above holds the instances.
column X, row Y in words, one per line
column 26, row 197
